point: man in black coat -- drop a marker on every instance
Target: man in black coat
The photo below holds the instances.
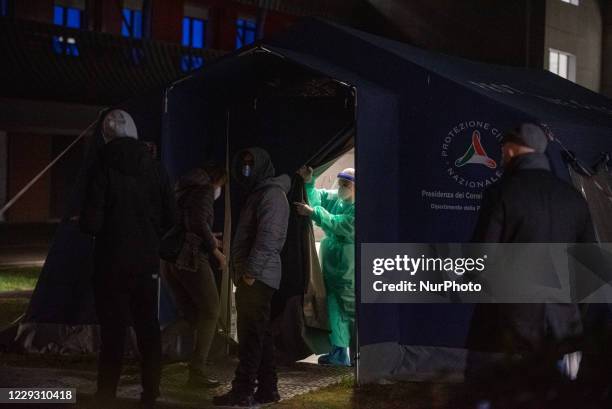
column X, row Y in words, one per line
column 129, row 205
column 256, row 269
column 529, row 205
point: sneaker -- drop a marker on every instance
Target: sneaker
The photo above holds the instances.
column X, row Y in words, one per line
column 324, row 359
column 263, row 397
column 233, row 398
column 337, row 357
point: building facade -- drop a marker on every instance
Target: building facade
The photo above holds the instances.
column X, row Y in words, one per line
column 67, row 59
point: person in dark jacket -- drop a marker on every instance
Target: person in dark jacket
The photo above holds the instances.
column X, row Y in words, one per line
column 530, row 205
column 128, row 206
column 191, row 278
column 256, row 272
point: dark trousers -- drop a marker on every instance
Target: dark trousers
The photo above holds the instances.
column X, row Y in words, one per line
column 256, row 350
column 197, row 297
column 117, row 308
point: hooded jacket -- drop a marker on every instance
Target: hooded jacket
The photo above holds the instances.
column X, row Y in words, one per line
column 128, row 206
column 262, row 226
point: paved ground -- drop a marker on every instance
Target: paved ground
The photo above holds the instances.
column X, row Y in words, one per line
column 24, row 246
column 298, row 379
column 23, row 256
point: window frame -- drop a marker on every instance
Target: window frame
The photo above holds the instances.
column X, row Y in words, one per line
column 6, row 8
column 242, row 28
column 128, row 25
column 190, row 35
column 65, row 16
column 68, row 46
column 563, row 62
column 190, row 62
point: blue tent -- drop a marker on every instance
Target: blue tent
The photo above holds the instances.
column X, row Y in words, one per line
column 415, row 113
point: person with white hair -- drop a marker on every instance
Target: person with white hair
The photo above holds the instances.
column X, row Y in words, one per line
column 334, row 212
column 128, row 206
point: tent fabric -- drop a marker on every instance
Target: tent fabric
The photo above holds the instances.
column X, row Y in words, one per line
column 597, row 189
column 415, row 112
column 433, row 93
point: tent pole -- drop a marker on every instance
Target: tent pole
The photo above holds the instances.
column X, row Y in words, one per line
column 42, row 172
column 227, row 233
column 357, row 353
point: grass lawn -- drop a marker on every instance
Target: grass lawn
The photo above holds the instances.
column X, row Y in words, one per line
column 18, row 279
column 15, row 279
column 419, row 395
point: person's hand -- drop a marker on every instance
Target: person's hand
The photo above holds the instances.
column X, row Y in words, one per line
column 249, row 280
column 303, row 209
column 306, row 173
column 221, row 259
column 218, row 239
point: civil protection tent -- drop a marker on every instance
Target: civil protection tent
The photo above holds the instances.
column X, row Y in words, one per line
column 422, row 125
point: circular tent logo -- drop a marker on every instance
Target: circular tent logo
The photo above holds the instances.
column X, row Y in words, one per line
column 471, row 154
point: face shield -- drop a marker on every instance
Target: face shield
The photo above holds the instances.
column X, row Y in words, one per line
column 345, row 184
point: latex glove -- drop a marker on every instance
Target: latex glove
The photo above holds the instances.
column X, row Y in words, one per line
column 306, row 173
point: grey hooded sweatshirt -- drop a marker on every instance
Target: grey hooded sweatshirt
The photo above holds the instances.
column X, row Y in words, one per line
column 262, row 226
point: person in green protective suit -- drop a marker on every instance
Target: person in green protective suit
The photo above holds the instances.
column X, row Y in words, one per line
column 334, row 212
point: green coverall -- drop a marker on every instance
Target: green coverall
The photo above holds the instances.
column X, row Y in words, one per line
column 336, row 217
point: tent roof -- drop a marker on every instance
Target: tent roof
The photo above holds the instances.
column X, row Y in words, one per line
column 541, row 94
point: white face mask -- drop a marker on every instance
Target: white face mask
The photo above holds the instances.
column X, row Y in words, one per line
column 246, row 170
column 217, row 192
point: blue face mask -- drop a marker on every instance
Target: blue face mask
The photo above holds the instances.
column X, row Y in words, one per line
column 246, row 171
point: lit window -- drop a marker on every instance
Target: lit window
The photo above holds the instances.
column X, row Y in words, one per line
column 194, row 32
column 66, row 17
column 194, row 36
column 5, row 8
column 245, row 32
column 563, row 64
column 574, row 2
column 131, row 27
column 132, row 23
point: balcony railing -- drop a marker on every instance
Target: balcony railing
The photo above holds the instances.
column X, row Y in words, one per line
column 43, row 61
